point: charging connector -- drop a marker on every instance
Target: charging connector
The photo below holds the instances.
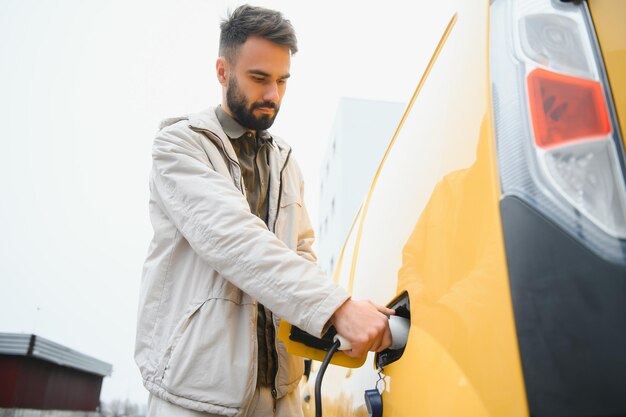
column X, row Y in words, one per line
column 399, row 327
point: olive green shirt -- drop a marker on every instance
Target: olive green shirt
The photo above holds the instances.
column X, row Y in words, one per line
column 253, row 155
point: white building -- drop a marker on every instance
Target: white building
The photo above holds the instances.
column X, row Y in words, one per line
column 360, row 135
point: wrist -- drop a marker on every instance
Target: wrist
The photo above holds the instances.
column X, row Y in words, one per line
column 334, row 317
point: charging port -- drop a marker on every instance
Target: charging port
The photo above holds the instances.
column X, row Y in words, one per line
column 402, row 307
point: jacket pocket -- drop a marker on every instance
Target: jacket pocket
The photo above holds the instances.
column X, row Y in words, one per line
column 212, row 359
column 289, row 215
column 179, row 330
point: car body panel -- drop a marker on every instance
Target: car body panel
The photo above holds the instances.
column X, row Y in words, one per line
column 432, row 216
column 608, row 17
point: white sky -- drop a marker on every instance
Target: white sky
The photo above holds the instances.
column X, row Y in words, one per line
column 83, row 85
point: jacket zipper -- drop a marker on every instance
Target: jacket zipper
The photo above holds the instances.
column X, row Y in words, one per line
column 275, row 350
column 280, row 189
column 255, row 342
column 274, row 399
column 275, row 353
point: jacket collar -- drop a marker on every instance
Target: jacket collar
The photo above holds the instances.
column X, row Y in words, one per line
column 234, row 130
column 207, row 120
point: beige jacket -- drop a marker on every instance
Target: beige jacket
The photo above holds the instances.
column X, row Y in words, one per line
column 209, row 262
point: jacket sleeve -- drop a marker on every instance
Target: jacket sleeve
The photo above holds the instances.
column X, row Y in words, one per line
column 214, row 218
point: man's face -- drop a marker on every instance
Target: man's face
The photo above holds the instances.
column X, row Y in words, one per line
column 256, row 82
column 243, row 111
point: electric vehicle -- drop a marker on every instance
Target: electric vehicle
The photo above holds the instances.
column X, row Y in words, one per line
column 496, row 222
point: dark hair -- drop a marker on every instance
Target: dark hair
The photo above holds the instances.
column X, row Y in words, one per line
column 248, row 21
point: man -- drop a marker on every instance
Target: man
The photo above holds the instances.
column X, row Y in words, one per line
column 231, row 251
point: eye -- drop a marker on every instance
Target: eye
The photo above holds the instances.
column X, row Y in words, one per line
column 258, row 78
column 282, row 81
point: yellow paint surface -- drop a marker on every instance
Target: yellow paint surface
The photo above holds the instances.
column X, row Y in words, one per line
column 461, row 358
column 609, row 18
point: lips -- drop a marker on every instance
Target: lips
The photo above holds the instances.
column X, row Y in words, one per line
column 266, row 110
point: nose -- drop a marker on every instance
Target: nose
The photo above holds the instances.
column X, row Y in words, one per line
column 271, row 93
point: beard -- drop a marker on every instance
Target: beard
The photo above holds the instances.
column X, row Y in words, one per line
column 242, row 111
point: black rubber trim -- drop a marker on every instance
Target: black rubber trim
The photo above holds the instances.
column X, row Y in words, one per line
column 570, row 315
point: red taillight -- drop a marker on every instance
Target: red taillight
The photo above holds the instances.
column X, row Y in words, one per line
column 565, row 108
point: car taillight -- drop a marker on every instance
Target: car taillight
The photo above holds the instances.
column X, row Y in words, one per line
column 565, row 108
column 558, row 140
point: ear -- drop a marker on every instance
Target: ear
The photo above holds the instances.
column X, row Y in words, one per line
column 221, row 70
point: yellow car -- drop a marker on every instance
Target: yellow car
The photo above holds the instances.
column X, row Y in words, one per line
column 496, row 222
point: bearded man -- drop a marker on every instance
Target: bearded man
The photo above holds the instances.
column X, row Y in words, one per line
column 231, row 252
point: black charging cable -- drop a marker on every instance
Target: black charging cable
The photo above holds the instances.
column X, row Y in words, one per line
column 320, row 375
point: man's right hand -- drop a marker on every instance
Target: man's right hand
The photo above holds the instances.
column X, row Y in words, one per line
column 365, row 325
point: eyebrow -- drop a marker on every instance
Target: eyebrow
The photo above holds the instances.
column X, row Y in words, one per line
column 265, row 74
